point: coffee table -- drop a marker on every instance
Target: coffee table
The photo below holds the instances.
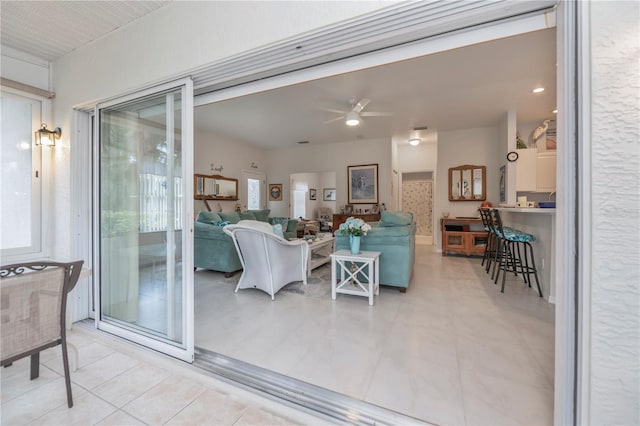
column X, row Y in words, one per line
column 319, row 252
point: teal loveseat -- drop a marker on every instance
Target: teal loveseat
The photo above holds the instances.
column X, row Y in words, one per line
column 395, row 237
column 214, row 250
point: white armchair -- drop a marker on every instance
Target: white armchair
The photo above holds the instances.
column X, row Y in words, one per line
column 269, row 261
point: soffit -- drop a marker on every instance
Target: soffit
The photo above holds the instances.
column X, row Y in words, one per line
column 51, row 29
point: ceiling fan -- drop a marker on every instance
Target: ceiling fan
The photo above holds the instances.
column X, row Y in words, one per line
column 353, row 116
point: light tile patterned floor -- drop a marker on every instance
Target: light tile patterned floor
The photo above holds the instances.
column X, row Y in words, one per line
column 452, row 350
column 121, row 384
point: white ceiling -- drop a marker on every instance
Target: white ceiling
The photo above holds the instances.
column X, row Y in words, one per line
column 462, row 88
column 51, row 29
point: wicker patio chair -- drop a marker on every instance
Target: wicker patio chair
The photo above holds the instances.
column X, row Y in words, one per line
column 32, row 315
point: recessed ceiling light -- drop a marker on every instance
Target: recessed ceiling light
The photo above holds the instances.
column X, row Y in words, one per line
column 555, row 111
column 414, row 141
column 538, row 90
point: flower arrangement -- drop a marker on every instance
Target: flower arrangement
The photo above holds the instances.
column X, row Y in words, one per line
column 355, row 227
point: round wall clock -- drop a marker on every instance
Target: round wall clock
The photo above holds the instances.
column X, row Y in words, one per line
column 512, row 156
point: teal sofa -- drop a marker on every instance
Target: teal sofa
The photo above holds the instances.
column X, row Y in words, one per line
column 214, row 250
column 395, row 237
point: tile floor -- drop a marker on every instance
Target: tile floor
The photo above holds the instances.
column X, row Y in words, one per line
column 117, row 383
column 452, row 350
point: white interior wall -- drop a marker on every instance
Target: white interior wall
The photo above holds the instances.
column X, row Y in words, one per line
column 611, row 307
column 329, row 158
column 417, row 158
column 327, row 181
column 232, row 155
column 459, row 147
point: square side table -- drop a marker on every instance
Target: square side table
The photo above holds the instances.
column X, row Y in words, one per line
column 350, row 265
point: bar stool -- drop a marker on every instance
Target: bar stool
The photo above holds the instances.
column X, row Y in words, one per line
column 492, row 239
column 515, row 253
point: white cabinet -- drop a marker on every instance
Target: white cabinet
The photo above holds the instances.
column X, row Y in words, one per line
column 546, row 171
column 526, row 170
column 535, row 171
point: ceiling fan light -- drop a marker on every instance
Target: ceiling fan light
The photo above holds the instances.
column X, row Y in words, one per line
column 353, row 119
column 414, row 141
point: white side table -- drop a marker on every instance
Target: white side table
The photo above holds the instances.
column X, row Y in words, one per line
column 350, row 265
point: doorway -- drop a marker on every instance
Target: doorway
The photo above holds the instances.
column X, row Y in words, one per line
column 416, row 196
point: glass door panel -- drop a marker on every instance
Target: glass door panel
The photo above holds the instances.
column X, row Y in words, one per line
column 145, row 286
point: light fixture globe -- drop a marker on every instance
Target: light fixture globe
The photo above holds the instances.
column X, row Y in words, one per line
column 352, row 119
column 414, row 141
column 46, row 137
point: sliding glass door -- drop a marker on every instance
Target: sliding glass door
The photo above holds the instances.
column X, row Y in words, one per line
column 144, row 222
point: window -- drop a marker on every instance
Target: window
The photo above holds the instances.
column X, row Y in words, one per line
column 153, row 202
column 253, row 194
column 20, row 165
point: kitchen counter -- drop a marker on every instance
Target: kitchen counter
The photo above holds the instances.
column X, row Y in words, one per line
column 526, row 210
column 541, row 223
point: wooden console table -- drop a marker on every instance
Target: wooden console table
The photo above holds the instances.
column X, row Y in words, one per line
column 341, row 218
column 461, row 238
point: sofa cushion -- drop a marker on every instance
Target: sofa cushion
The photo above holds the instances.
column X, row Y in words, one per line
column 231, row 217
column 395, row 218
column 261, row 215
column 247, row 216
column 283, row 221
column 208, row 217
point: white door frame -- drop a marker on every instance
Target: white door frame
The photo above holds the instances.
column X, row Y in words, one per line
column 185, row 351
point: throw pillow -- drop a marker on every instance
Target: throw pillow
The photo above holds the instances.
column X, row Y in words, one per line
column 388, row 218
column 283, row 221
column 231, row 217
column 261, row 215
column 208, row 217
column 277, row 229
column 247, row 216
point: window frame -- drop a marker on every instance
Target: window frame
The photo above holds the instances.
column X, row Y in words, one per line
column 40, row 186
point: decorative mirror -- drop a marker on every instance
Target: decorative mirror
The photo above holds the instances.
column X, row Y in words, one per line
column 468, row 183
column 215, row 187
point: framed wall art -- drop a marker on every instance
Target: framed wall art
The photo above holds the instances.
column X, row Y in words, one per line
column 312, row 194
column 329, row 194
column 275, row 192
column 362, row 182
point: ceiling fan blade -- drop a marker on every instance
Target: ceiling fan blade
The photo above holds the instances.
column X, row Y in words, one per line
column 334, row 119
column 376, row 114
column 337, row 111
column 361, row 104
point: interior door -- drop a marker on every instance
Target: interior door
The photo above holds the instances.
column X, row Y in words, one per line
column 145, row 218
column 417, row 197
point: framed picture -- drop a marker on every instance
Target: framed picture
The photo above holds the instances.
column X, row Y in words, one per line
column 348, row 209
column 275, row 192
column 312, row 194
column 362, row 182
column 329, row 194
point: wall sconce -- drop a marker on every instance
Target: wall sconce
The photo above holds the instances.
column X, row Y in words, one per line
column 47, row 137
